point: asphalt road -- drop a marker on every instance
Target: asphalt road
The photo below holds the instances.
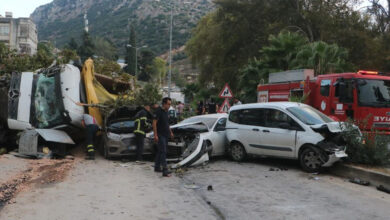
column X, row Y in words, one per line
column 104, row 189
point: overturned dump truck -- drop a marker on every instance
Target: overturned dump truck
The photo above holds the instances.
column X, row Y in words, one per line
column 38, row 103
column 39, row 108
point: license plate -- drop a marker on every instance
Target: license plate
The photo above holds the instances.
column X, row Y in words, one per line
column 132, row 147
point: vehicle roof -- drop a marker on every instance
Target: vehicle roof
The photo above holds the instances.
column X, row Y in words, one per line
column 268, row 104
column 218, row 115
column 355, row 75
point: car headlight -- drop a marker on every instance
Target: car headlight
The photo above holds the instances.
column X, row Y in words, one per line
column 150, row 135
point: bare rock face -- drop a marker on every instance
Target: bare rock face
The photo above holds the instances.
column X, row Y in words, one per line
column 61, row 20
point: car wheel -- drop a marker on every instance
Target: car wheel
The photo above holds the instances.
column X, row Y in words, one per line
column 237, row 152
column 310, row 160
column 104, row 150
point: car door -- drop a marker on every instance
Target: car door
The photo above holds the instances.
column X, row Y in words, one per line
column 218, row 137
column 275, row 140
column 251, row 125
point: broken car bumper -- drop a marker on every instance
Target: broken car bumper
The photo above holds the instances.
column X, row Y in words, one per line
column 334, row 157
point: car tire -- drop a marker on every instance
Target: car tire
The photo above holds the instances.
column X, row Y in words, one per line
column 104, row 149
column 310, row 160
column 237, row 152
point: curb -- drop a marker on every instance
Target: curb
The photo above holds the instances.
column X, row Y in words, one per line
column 350, row 171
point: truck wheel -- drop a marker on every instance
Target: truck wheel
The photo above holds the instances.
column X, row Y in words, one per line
column 310, row 160
column 237, row 152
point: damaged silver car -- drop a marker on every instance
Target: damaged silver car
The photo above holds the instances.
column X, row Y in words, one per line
column 118, row 138
column 286, row 130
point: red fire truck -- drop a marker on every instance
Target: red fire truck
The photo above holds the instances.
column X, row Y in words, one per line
column 361, row 96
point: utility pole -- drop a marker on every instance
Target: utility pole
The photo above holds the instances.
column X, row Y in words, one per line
column 170, row 53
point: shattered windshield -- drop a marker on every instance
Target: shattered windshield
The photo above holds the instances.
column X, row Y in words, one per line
column 374, row 93
column 47, row 112
column 208, row 121
column 309, row 115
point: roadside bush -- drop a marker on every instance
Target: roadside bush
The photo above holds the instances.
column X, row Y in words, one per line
column 370, row 149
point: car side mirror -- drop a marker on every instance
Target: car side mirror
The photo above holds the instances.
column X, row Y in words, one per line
column 220, row 129
column 284, row 125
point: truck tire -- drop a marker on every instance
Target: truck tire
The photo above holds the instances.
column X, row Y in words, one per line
column 237, row 152
column 310, row 160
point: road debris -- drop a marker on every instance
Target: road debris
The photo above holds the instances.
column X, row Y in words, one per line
column 191, row 186
column 359, row 181
column 210, row 188
column 314, row 178
column 383, row 189
column 273, row 169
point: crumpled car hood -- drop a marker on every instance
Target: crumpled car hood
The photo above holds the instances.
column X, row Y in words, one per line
column 333, row 127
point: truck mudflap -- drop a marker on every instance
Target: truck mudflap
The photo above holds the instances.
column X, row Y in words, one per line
column 29, row 143
column 195, row 154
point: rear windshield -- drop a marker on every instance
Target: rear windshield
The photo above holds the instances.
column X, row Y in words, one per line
column 309, row 115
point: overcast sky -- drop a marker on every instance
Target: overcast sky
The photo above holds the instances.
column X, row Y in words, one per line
column 23, row 8
column 20, row 8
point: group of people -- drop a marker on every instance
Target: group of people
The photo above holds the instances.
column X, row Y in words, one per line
column 211, row 107
column 161, row 129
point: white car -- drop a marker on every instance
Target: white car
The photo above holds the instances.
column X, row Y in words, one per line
column 286, row 130
column 196, row 139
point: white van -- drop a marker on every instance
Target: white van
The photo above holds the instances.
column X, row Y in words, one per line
column 286, row 130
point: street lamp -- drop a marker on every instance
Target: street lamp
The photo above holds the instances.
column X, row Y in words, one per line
column 136, row 53
column 170, row 49
column 170, row 53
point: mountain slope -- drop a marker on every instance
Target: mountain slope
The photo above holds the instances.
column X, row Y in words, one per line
column 60, row 20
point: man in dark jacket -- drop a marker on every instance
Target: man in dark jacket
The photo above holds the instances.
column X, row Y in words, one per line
column 142, row 126
column 162, row 132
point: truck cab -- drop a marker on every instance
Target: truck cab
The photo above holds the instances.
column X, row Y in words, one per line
column 363, row 96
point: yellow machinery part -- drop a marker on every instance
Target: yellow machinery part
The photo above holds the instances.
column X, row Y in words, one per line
column 96, row 93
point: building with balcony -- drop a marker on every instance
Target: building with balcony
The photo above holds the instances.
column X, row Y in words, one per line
column 19, row 34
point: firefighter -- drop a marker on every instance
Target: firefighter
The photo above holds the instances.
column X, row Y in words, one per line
column 91, row 127
column 142, row 126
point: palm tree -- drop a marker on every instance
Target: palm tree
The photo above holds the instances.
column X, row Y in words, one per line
column 282, row 50
column 322, row 57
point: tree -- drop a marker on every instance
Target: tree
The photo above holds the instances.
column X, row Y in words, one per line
column 322, row 57
column 86, row 50
column 282, row 50
column 72, row 44
column 67, row 55
column 250, row 77
column 105, row 48
column 159, row 69
column 145, row 64
column 190, row 90
column 131, row 52
column 149, row 94
column 43, row 58
column 381, row 15
column 225, row 40
column 106, row 67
